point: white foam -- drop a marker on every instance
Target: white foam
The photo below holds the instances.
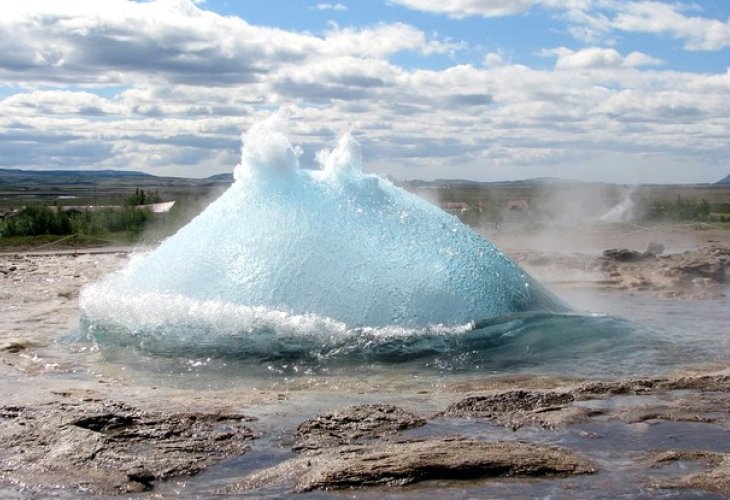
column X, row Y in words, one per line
column 151, row 312
column 345, row 157
column 266, row 148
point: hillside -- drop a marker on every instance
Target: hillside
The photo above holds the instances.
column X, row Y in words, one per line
column 96, row 187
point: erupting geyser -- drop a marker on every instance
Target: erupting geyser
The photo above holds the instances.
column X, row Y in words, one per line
column 296, row 253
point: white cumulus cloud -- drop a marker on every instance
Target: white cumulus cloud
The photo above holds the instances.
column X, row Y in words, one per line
column 697, row 32
column 597, row 57
column 167, row 87
column 463, row 8
column 330, row 6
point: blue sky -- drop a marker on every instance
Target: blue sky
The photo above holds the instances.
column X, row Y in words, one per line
column 522, row 37
column 607, row 90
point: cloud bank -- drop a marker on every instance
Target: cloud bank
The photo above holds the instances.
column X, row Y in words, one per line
column 167, row 86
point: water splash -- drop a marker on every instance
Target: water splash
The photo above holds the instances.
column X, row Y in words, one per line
column 308, row 256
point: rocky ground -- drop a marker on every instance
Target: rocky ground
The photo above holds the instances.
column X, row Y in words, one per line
column 107, row 447
column 693, row 274
column 103, row 447
column 681, row 261
column 70, row 425
column 367, row 445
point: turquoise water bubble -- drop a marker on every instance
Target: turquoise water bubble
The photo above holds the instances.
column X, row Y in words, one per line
column 316, row 255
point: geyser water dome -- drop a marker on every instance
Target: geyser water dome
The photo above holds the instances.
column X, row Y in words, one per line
column 291, row 253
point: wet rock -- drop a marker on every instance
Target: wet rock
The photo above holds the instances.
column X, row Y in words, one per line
column 671, row 414
column 698, row 274
column 519, row 408
column 352, row 424
column 618, row 387
column 716, row 478
column 110, row 447
column 509, row 401
column 719, row 382
column 704, row 399
column 17, row 345
column 8, row 270
column 625, row 255
column 662, row 457
column 714, row 382
column 714, row 271
column 399, row 464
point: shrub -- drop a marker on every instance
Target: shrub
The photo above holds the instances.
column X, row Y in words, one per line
column 35, row 220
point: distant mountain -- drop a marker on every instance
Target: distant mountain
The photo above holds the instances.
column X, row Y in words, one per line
column 455, row 182
column 71, row 173
column 225, row 177
column 462, row 183
column 726, row 180
column 63, row 182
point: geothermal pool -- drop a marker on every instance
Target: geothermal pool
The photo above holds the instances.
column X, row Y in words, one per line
column 531, row 349
column 429, row 384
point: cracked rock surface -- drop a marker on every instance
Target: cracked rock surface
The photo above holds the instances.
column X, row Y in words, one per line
column 398, row 464
column 111, row 447
column 353, row 424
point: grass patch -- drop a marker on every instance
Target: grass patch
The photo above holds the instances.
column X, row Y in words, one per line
column 67, row 242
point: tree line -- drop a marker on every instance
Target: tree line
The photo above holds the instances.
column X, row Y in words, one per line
column 680, row 209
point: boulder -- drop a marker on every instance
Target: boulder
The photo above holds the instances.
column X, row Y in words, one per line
column 398, row 464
